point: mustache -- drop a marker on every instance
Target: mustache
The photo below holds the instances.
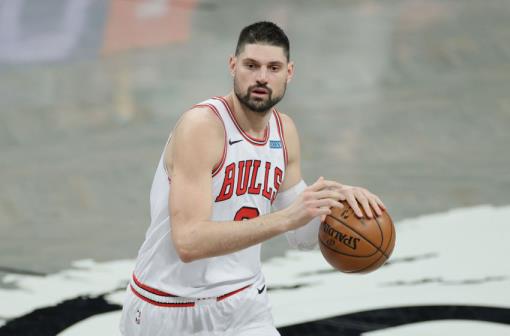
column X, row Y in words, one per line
column 260, row 86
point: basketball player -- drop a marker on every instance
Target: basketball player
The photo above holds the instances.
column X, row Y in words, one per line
column 229, row 178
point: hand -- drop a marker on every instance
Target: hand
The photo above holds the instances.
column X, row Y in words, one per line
column 316, row 200
column 369, row 202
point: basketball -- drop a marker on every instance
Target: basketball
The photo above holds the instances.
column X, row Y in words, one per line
column 356, row 245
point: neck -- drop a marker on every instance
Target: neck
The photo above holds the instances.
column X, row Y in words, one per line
column 253, row 123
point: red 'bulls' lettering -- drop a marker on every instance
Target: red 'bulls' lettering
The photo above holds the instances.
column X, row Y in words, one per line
column 278, row 176
column 228, row 183
column 243, row 179
column 267, row 192
column 253, row 177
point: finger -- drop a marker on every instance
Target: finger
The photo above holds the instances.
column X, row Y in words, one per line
column 334, row 185
column 342, row 197
column 327, row 202
column 362, row 199
column 323, row 212
column 326, row 193
column 317, row 185
column 321, row 183
column 373, row 203
column 380, row 203
column 354, row 205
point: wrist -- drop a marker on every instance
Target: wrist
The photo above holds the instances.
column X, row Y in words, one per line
column 284, row 220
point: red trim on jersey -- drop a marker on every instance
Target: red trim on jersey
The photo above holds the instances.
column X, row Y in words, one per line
column 150, row 289
column 178, row 304
column 279, row 124
column 220, row 164
column 224, row 296
column 160, row 304
column 249, row 138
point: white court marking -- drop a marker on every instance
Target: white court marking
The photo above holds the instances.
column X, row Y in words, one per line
column 107, row 323
column 459, row 259
column 447, row 327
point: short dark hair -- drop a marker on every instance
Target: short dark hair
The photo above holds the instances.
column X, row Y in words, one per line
column 263, row 32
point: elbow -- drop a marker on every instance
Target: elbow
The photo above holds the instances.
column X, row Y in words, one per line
column 184, row 249
column 184, row 253
column 185, row 256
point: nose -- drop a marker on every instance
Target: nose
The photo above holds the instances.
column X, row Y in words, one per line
column 262, row 75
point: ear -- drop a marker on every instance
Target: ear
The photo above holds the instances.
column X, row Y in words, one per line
column 290, row 71
column 232, row 61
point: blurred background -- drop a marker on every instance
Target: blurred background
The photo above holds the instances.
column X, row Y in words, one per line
column 408, row 98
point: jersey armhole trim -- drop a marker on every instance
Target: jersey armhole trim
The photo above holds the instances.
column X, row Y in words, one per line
column 217, row 168
column 164, row 155
column 279, row 125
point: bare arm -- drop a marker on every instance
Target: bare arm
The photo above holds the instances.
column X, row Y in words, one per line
column 196, row 147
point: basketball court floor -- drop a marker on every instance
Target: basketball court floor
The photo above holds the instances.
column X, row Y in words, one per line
column 408, row 98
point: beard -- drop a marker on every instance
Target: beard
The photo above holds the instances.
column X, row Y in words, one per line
column 258, row 105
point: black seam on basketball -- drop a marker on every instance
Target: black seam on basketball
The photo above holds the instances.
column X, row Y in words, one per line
column 368, row 266
column 382, row 238
column 359, row 234
column 389, row 244
column 382, row 234
column 346, row 254
column 392, row 238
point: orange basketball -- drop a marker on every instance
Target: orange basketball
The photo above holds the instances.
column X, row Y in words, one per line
column 356, row 245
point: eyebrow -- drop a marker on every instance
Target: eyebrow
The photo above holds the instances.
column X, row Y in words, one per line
column 247, row 60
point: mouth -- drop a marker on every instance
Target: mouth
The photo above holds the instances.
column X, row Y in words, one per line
column 260, row 91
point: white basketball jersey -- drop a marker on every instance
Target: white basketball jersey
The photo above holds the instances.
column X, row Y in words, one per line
column 244, row 185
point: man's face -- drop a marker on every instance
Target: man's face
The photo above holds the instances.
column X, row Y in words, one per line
column 261, row 73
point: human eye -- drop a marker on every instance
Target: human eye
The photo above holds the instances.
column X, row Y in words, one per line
column 275, row 67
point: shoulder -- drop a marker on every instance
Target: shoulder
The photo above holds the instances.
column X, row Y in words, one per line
column 289, row 127
column 200, row 124
column 290, row 135
column 198, row 135
column 201, row 118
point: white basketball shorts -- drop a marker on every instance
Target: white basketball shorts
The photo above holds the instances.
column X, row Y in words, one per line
column 245, row 312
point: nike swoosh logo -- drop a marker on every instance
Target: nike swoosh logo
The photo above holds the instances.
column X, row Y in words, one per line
column 261, row 290
column 230, row 142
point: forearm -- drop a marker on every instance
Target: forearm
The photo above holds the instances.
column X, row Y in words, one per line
column 305, row 237
column 205, row 239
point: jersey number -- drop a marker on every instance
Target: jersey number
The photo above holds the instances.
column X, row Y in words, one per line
column 246, row 213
